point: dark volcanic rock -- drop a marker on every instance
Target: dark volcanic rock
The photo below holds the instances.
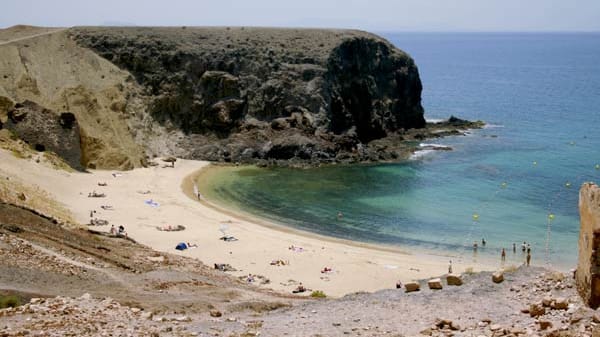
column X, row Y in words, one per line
column 45, row 130
column 247, row 94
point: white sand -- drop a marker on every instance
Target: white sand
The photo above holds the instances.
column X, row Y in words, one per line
column 356, row 267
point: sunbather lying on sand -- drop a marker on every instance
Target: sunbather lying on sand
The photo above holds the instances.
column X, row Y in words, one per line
column 299, row 289
column 279, row 263
column 326, row 270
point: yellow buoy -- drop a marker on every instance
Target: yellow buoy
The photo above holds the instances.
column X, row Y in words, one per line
column 475, row 217
column 550, row 216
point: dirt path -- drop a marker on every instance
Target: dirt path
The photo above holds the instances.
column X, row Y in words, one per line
column 32, row 36
column 68, row 260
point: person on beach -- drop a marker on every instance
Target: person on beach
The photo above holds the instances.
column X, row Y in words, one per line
column 524, row 246
column 475, row 246
column 398, row 285
column 503, row 255
column 299, row 289
column 483, row 242
column 528, row 248
column 450, row 267
column 514, row 247
column 528, row 258
column 112, row 230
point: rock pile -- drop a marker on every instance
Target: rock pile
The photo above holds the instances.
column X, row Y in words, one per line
column 21, row 254
column 86, row 316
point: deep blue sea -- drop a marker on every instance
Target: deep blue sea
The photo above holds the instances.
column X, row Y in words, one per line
column 516, row 180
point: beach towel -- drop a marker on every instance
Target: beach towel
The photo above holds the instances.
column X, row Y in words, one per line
column 151, row 203
column 181, row 246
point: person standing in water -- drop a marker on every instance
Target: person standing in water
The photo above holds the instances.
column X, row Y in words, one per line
column 503, row 255
column 528, row 257
column 483, row 242
column 514, row 247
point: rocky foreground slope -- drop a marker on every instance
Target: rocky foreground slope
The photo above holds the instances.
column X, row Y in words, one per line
column 248, row 95
column 70, row 281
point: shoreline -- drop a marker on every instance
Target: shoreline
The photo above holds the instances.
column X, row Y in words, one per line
column 356, row 266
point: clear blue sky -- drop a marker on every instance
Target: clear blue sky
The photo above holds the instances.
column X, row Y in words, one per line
column 377, row 15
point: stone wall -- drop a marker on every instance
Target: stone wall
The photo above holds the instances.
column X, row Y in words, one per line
column 588, row 267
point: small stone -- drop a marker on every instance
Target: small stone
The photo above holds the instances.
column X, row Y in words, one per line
column 454, row 280
column 336, row 324
column 186, row 318
column 495, row 327
column 536, row 310
column 411, row 286
column 435, row 283
column 215, row 313
column 498, row 277
column 545, row 324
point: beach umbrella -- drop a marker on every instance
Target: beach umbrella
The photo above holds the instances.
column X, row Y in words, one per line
column 224, row 228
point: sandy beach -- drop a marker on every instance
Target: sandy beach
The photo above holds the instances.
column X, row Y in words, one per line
column 147, row 198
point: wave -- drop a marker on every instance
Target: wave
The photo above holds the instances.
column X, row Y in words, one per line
column 420, row 154
column 434, row 120
column 492, row 126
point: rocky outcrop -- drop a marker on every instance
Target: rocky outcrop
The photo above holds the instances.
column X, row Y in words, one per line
column 587, row 276
column 45, row 129
column 46, row 67
column 269, row 95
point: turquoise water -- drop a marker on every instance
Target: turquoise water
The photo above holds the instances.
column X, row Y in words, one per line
column 540, row 95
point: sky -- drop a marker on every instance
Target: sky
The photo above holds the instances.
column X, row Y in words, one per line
column 374, row 15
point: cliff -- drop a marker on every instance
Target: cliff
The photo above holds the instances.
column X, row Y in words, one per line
column 588, row 265
column 44, row 66
column 258, row 94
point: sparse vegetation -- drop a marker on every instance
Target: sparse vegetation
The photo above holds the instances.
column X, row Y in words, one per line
column 9, row 301
column 318, row 294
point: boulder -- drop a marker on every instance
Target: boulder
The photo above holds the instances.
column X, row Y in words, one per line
column 215, row 313
column 498, row 277
column 411, row 286
column 536, row 309
column 454, row 280
column 547, row 301
column 560, row 303
column 435, row 283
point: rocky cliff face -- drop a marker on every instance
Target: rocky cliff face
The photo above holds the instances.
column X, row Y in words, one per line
column 252, row 94
column 46, row 67
column 45, row 129
column 588, row 265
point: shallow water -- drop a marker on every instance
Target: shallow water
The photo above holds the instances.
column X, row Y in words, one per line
column 539, row 94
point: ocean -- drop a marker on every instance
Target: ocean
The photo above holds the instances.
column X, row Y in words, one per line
column 515, row 180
